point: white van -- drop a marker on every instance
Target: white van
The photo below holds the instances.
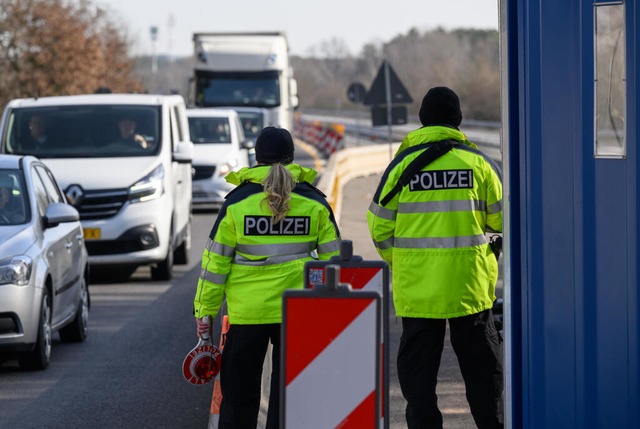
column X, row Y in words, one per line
column 124, row 161
column 219, row 147
column 253, row 120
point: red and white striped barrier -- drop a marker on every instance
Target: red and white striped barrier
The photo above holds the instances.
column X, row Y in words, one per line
column 330, row 360
column 327, row 138
column 368, row 276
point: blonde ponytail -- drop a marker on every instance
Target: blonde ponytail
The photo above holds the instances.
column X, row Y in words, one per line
column 278, row 186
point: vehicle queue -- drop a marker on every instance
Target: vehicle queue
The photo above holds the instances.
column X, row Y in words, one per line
column 125, row 170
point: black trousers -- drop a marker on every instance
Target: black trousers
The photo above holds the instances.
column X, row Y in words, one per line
column 241, row 376
column 477, row 345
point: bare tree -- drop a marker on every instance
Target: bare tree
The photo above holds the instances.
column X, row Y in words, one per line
column 465, row 60
column 335, row 70
column 58, row 47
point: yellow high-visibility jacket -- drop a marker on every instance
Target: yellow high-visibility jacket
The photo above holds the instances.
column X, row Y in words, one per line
column 251, row 260
column 433, row 232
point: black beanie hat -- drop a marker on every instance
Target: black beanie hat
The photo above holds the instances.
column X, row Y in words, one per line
column 274, row 145
column 441, row 106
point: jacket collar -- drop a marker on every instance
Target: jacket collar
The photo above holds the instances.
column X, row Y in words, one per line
column 258, row 173
column 432, row 134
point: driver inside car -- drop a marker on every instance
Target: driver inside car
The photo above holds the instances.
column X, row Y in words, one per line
column 8, row 214
column 128, row 133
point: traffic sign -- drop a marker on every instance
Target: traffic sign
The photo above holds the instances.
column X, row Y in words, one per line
column 377, row 94
column 356, row 92
column 379, row 115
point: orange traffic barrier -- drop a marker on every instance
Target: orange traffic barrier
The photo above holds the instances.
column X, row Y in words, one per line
column 216, row 398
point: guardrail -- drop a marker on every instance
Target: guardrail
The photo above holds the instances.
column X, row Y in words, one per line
column 351, row 162
column 313, row 129
column 364, row 115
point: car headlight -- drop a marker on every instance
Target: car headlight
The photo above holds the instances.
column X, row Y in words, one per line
column 15, row 270
column 226, row 167
column 149, row 187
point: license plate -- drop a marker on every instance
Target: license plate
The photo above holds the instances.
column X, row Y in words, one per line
column 91, row 233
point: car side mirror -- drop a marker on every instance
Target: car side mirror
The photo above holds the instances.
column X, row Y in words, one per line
column 295, row 102
column 183, row 153
column 58, row 213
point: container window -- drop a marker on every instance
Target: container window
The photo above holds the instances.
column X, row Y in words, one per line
column 610, row 81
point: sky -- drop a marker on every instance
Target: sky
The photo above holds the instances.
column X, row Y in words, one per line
column 307, row 23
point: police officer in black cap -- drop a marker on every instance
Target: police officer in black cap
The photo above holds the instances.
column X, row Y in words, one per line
column 274, row 145
column 267, row 229
column 432, row 233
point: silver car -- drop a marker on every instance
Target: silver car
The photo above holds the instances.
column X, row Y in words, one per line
column 43, row 263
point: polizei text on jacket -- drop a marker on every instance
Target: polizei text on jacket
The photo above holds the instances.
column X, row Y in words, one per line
column 441, row 179
column 264, row 225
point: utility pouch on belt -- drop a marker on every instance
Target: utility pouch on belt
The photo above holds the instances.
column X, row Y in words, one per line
column 429, row 155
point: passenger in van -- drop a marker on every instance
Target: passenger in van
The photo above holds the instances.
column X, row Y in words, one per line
column 128, row 135
column 218, row 132
column 37, row 134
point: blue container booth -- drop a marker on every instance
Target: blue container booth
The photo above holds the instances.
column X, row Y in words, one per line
column 570, row 145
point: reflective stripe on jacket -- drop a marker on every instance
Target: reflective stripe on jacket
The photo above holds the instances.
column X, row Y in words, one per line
column 251, row 260
column 432, row 233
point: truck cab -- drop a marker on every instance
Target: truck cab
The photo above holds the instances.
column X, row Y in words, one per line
column 245, row 70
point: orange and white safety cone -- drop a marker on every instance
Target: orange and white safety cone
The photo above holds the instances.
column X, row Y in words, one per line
column 216, row 399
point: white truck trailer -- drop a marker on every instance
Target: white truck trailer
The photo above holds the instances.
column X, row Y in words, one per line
column 246, row 70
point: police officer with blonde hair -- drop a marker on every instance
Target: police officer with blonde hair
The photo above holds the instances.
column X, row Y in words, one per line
column 428, row 219
column 270, row 225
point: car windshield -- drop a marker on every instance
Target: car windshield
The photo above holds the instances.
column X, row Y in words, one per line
column 14, row 209
column 98, row 131
column 252, row 123
column 204, row 130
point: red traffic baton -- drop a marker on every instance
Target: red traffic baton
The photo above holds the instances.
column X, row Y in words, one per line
column 202, row 363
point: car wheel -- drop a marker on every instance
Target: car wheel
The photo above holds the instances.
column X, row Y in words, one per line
column 40, row 356
column 163, row 271
column 77, row 330
column 181, row 254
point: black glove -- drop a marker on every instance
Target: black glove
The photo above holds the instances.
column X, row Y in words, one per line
column 496, row 245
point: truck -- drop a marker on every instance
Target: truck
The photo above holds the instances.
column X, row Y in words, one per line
column 245, row 70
